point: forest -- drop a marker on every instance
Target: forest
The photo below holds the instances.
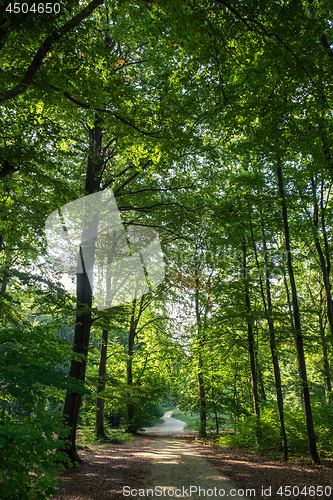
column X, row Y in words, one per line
column 209, row 123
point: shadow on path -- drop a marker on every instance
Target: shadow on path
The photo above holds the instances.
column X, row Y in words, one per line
column 178, row 469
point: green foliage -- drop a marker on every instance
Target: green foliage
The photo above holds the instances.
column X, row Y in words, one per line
column 158, row 410
column 145, row 414
column 245, row 435
column 87, row 438
column 118, row 437
column 32, row 387
column 323, row 416
column 198, row 104
column 30, row 454
column 192, row 421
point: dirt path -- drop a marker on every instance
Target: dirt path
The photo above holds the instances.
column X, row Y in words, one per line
column 178, row 470
column 169, row 426
column 168, row 458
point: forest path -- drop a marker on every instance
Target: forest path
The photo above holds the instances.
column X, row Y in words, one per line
column 165, row 461
column 177, row 468
column 169, row 426
column 174, row 461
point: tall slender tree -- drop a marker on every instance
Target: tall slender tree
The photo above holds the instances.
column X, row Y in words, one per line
column 298, row 331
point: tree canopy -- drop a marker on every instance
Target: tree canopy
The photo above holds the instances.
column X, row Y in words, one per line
column 211, row 122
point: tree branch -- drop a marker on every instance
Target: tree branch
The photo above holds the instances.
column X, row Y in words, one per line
column 45, row 48
column 246, row 21
column 100, row 110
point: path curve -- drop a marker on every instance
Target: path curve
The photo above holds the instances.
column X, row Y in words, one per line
column 169, row 426
column 178, row 470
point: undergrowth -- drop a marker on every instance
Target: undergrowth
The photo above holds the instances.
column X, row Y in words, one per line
column 87, row 437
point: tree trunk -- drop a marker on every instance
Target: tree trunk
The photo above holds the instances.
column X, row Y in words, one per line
column 324, row 257
column 73, row 400
column 326, row 366
column 298, row 332
column 99, row 421
column 7, row 259
column 235, row 398
column 215, row 409
column 201, row 343
column 202, row 398
column 268, row 313
column 261, row 386
column 251, row 346
column 290, row 310
column 129, row 371
column 83, row 321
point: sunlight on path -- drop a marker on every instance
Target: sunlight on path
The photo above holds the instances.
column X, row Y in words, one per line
column 178, row 471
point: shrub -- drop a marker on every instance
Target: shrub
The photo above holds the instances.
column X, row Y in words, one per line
column 29, row 448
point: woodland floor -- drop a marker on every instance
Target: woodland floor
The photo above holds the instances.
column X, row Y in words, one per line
column 176, row 461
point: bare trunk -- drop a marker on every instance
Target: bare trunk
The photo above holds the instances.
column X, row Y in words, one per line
column 73, row 400
column 129, row 371
column 261, row 386
column 298, row 332
column 326, row 366
column 272, row 340
column 324, row 257
column 83, row 321
column 99, row 421
column 201, row 384
column 235, row 398
column 251, row 346
column 215, row 411
column 202, row 398
column 290, row 309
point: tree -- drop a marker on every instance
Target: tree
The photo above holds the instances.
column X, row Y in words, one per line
column 10, row 26
column 251, row 344
column 181, row 120
column 298, row 333
column 268, row 307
